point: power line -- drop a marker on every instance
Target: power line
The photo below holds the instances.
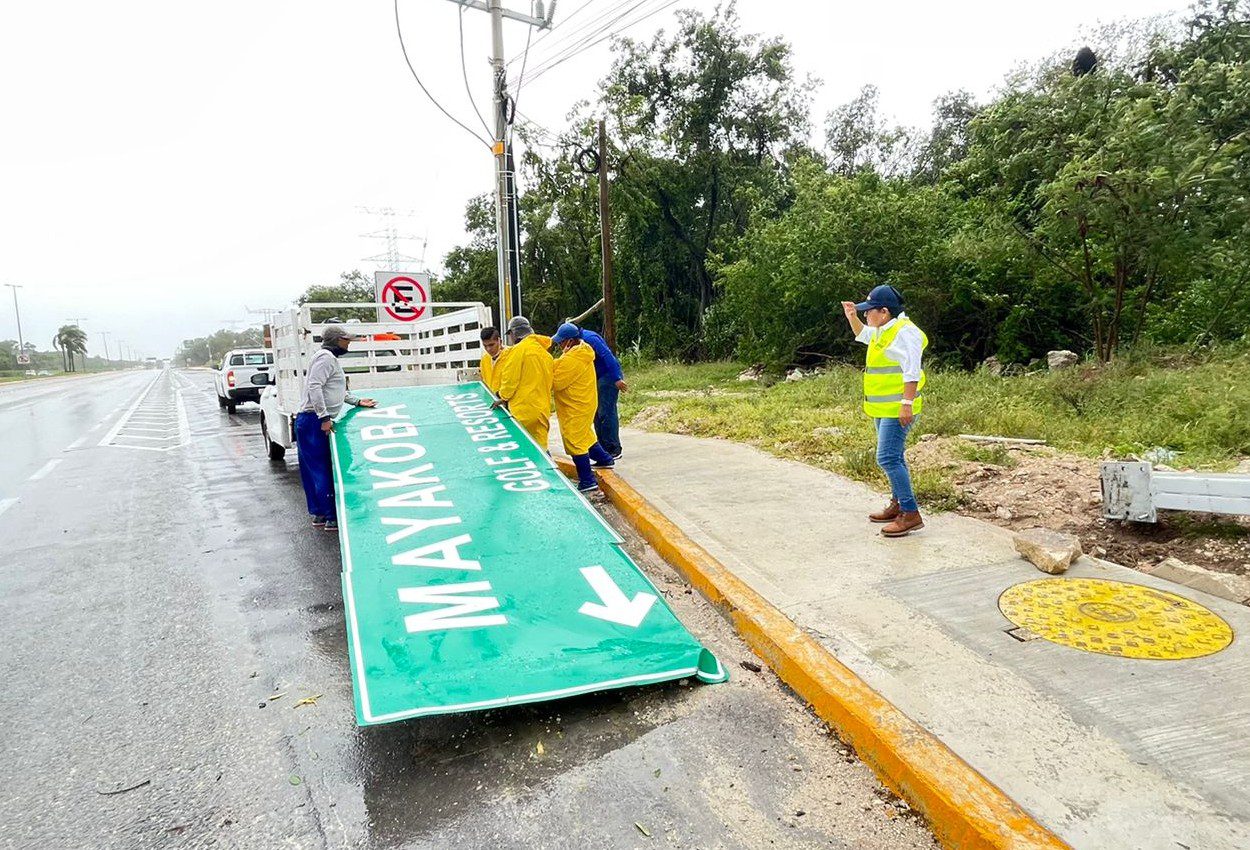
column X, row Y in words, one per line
column 567, row 55
column 464, row 71
column 560, row 30
column 520, row 81
column 567, row 37
column 400, row 32
column 576, row 45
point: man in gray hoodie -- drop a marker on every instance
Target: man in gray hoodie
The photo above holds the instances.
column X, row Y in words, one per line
column 325, row 392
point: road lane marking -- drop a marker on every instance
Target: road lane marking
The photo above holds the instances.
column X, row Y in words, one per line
column 5, row 504
column 77, row 444
column 121, row 423
column 46, row 469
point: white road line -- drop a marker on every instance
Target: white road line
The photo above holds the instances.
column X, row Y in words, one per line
column 5, row 504
column 121, row 423
column 77, row 444
column 46, row 469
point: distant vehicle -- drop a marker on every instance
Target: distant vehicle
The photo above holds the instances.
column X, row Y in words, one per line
column 233, row 379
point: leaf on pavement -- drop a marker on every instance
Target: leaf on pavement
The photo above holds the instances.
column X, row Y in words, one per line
column 308, row 701
column 642, row 829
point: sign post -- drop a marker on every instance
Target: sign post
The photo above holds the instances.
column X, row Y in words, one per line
column 406, row 295
column 475, row 576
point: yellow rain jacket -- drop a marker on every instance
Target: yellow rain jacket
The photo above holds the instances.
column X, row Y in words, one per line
column 525, row 383
column 492, row 370
column 577, row 396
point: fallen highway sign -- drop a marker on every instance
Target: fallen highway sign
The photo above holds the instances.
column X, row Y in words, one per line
column 475, row 576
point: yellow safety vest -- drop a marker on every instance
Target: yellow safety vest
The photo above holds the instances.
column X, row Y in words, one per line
column 883, row 377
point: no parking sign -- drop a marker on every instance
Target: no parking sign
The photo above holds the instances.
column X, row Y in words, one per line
column 406, row 295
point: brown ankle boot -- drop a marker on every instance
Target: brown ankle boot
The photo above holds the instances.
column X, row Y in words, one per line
column 889, row 512
column 907, row 522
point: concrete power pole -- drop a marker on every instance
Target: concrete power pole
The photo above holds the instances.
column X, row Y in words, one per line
column 21, row 343
column 507, row 233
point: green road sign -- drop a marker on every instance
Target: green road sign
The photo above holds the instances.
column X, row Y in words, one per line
column 475, row 575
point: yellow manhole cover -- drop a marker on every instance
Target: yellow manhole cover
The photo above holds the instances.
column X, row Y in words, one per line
column 1115, row 618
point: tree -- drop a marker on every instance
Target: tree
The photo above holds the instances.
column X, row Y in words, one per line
column 70, row 340
column 352, row 286
column 1121, row 180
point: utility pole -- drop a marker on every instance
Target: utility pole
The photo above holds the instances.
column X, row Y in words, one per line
column 105, row 336
column 605, row 241
column 507, row 233
column 21, row 343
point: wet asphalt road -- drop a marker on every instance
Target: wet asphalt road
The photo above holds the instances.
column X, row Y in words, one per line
column 160, row 585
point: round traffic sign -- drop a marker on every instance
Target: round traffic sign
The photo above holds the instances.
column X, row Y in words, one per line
column 405, row 299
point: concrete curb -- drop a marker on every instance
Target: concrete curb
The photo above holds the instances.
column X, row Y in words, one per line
column 964, row 810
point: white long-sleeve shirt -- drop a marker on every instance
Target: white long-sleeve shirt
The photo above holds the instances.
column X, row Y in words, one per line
column 906, row 349
column 325, row 386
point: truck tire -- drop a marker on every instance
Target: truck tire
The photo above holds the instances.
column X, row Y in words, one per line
column 221, row 402
column 276, row 451
column 232, row 406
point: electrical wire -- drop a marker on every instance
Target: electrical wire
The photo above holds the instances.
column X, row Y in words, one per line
column 556, row 62
column 464, row 72
column 566, row 37
column 588, row 39
column 400, row 32
column 520, row 81
column 560, row 29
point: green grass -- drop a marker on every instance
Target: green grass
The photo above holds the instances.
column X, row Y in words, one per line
column 1199, row 407
column 994, row 454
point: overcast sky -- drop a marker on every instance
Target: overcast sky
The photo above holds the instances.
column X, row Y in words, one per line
column 166, row 165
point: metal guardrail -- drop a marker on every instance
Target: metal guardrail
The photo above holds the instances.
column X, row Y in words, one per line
column 1134, row 490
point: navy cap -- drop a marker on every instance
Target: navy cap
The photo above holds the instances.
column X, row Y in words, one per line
column 882, row 296
column 567, row 331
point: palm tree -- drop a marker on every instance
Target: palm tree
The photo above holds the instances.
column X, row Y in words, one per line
column 70, row 340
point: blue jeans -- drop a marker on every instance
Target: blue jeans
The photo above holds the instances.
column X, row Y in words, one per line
column 316, row 470
column 891, row 442
column 607, row 421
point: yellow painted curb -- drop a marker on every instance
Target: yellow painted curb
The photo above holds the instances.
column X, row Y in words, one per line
column 964, row 810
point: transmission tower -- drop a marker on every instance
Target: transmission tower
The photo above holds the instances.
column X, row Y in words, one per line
column 392, row 259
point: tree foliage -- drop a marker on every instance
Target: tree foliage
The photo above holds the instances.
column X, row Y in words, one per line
column 1092, row 210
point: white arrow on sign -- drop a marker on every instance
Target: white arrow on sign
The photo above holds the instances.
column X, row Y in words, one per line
column 613, row 605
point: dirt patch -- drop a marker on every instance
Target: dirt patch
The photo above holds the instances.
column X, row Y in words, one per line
column 1020, row 487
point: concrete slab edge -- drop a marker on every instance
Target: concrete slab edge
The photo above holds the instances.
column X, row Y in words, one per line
column 963, row 808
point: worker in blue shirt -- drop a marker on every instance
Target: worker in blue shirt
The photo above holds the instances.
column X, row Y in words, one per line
column 611, row 383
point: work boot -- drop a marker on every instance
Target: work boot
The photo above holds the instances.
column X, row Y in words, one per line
column 889, row 512
column 907, row 522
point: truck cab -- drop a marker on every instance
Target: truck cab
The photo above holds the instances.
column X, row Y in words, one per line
column 233, row 377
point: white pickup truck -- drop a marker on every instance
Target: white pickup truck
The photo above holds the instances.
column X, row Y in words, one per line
column 443, row 346
column 234, row 377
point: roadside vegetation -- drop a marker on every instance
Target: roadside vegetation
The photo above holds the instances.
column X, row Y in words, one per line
column 1191, row 404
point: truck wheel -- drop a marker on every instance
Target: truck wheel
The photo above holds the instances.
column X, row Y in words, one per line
column 232, row 406
column 221, row 402
column 276, row 451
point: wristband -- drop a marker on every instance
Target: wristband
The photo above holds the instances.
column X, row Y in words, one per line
column 906, row 401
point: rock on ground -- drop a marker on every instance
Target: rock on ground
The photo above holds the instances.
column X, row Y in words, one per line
column 1050, row 551
column 1057, row 360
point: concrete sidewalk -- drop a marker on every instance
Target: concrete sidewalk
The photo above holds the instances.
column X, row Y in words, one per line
column 1105, row 751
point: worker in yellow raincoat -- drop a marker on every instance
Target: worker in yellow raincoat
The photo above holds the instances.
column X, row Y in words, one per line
column 525, row 379
column 492, row 358
column 577, row 399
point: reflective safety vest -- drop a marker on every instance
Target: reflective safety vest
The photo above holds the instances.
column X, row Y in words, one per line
column 883, row 377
